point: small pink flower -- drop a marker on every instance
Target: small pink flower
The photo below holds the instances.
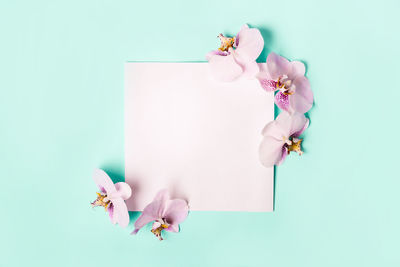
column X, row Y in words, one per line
column 237, row 55
column 281, row 137
column 288, row 77
column 166, row 214
column 112, row 197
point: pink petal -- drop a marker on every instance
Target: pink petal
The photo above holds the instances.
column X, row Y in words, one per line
column 148, row 215
column 274, row 130
column 176, row 211
column 216, row 52
column 270, row 151
column 282, row 101
column 173, row 228
column 283, row 157
column 297, row 69
column 120, row 212
column 284, row 123
column 299, row 124
column 111, row 213
column 302, row 99
column 224, row 68
column 102, row 180
column 153, row 211
column 124, row 191
column 277, row 65
column 156, row 224
column 267, row 85
column 249, row 43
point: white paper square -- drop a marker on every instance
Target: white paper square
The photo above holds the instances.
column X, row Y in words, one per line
column 195, row 136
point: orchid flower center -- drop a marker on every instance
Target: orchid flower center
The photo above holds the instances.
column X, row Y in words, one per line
column 101, row 200
column 284, row 84
column 293, row 144
column 158, row 226
column 226, row 42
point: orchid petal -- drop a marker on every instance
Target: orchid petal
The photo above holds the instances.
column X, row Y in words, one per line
column 267, row 85
column 153, row 211
column 149, row 214
column 155, row 225
column 270, row 151
column 277, row 65
column 103, row 181
column 291, row 124
column 210, row 54
column 272, row 129
column 176, row 211
column 110, row 210
column 283, row 156
column 282, row 101
column 249, row 43
column 173, row 228
column 284, row 124
column 303, row 98
column 299, row 124
column 297, row 69
column 123, row 190
column 224, row 68
column 120, row 212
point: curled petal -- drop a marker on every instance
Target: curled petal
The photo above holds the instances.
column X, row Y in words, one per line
column 224, row 68
column 277, row 65
column 103, row 181
column 123, row 190
column 270, row 151
column 282, row 101
column 303, row 98
column 249, row 43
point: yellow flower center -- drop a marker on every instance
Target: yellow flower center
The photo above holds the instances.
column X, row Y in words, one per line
column 101, row 200
column 295, row 146
column 284, row 85
column 158, row 230
column 226, row 42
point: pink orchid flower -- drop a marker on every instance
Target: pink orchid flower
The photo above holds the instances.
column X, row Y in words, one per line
column 281, row 137
column 166, row 214
column 237, row 55
column 288, row 77
column 112, row 197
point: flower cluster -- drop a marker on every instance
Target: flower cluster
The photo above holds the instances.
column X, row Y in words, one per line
column 166, row 214
column 236, row 58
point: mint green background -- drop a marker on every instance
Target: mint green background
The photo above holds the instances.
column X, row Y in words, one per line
column 61, row 115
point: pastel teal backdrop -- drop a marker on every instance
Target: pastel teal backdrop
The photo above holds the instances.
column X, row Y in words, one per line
column 61, row 116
